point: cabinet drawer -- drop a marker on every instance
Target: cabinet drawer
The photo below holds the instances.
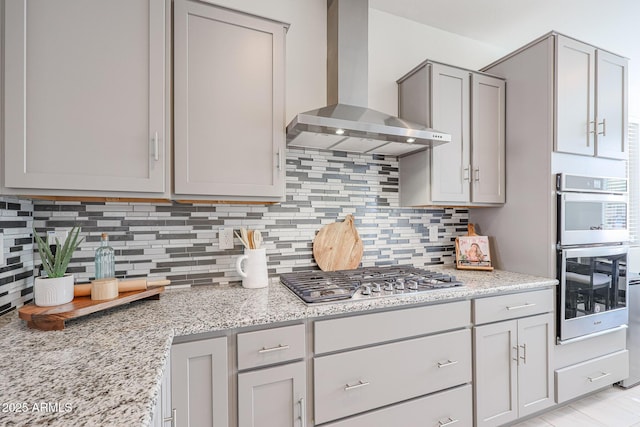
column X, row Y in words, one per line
column 451, row 406
column 367, row 329
column 512, row 306
column 360, row 380
column 586, row 377
column 270, row 346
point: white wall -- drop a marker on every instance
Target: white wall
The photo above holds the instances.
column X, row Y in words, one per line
column 396, row 45
column 306, row 47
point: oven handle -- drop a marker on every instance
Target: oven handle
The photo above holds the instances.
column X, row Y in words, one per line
column 589, row 336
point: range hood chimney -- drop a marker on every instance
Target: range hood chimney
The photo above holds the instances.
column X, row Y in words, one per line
column 347, row 124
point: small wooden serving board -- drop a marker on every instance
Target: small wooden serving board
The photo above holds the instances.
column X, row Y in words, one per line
column 338, row 246
column 53, row 318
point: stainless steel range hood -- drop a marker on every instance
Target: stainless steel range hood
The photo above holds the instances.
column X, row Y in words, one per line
column 347, row 124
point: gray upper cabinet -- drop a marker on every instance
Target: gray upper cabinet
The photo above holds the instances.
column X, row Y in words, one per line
column 85, row 95
column 488, row 138
column 229, row 104
column 591, row 88
column 470, row 106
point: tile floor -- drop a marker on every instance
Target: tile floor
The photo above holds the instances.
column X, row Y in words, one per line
column 612, row 407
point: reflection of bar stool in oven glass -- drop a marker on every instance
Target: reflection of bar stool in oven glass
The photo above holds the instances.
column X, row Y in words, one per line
column 583, row 287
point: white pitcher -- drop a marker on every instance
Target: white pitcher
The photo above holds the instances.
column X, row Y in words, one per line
column 254, row 274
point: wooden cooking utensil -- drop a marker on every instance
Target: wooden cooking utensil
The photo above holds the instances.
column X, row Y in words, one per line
column 338, row 246
column 250, row 239
column 257, row 239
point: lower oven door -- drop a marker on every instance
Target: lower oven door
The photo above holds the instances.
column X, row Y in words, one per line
column 593, row 290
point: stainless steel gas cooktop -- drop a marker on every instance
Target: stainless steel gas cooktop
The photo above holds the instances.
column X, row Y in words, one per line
column 364, row 283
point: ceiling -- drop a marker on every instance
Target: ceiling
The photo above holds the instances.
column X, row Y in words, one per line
column 613, row 25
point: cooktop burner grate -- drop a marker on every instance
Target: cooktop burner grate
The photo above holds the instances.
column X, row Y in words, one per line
column 362, row 283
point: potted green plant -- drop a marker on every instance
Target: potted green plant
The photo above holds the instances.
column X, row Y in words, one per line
column 57, row 287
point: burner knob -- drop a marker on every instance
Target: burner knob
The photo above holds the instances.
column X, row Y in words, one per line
column 389, row 287
column 376, row 287
column 366, row 290
column 400, row 286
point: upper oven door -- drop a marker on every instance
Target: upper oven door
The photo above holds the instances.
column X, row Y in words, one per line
column 591, row 218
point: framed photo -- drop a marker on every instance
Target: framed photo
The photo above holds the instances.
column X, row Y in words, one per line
column 472, row 253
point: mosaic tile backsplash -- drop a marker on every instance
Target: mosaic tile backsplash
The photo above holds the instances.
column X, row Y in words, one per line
column 180, row 241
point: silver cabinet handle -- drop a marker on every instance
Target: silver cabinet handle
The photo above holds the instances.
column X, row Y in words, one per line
column 516, row 358
column 156, row 154
column 171, row 419
column 448, row 422
column 604, row 127
column 524, row 352
column 594, row 379
column 447, row 363
column 517, row 307
column 477, row 174
column 279, row 154
column 354, row 386
column 589, row 128
column 269, row 350
column 303, row 412
column 465, row 173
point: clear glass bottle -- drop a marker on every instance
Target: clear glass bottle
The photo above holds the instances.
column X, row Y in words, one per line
column 105, row 259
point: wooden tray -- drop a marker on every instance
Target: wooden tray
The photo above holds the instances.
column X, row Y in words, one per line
column 53, row 318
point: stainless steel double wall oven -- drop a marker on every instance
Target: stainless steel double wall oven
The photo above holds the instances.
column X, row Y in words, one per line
column 592, row 254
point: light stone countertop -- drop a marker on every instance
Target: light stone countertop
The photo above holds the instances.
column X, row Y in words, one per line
column 105, row 369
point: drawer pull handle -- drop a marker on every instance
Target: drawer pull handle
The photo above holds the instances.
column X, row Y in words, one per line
column 594, row 379
column 448, row 422
column 354, row 386
column 447, row 363
column 517, row 307
column 269, row 350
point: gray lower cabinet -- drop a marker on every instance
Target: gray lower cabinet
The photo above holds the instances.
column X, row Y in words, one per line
column 370, row 368
column 447, row 408
column 229, row 138
column 163, row 413
column 513, row 371
column 84, row 104
column 273, row 397
column 200, row 383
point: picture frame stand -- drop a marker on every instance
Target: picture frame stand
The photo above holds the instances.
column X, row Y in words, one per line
column 472, row 251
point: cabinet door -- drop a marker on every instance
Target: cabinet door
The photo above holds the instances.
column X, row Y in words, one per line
column 200, row 383
column 164, row 410
column 450, row 162
column 495, row 392
column 611, row 106
column 272, row 397
column 84, row 99
column 535, row 371
column 487, row 137
column 228, row 103
column 575, row 102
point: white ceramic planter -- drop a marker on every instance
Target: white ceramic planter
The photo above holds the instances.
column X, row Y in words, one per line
column 53, row 291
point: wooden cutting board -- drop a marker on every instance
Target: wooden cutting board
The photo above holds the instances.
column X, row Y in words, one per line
column 338, row 246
